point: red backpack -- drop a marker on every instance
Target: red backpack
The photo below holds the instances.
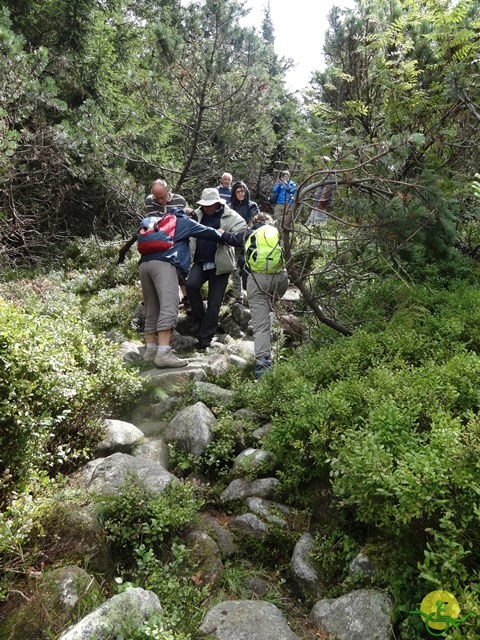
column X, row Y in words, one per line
column 156, row 234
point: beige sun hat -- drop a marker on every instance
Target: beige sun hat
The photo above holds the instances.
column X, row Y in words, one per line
column 210, row 196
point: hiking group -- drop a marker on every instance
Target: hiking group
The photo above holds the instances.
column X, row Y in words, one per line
column 182, row 249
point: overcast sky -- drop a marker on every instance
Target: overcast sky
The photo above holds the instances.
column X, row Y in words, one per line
column 299, row 28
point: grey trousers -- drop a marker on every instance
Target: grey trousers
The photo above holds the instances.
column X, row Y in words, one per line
column 237, row 276
column 159, row 282
column 278, row 212
column 263, row 289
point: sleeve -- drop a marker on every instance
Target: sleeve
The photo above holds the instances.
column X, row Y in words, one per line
column 234, row 239
column 197, row 230
column 238, row 223
column 149, row 206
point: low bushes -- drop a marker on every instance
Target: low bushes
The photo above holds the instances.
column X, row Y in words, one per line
column 58, row 380
column 388, row 422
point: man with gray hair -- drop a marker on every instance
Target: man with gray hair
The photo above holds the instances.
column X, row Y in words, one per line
column 225, row 187
column 161, row 200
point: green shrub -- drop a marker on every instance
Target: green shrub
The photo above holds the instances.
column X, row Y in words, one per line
column 137, row 516
column 171, row 578
column 388, row 421
column 111, row 308
column 58, row 382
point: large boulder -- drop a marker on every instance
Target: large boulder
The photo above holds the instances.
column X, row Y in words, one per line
column 112, row 472
column 363, row 614
column 119, row 436
column 302, row 568
column 119, row 616
column 191, row 428
column 246, row 620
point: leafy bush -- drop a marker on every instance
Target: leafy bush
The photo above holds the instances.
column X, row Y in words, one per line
column 58, row 382
column 111, row 308
column 144, row 527
column 171, row 578
column 388, row 421
column 137, row 516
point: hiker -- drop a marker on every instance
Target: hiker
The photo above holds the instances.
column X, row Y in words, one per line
column 225, row 187
column 158, row 277
column 282, row 195
column 323, row 204
column 267, row 281
column 211, row 264
column 160, row 201
column 242, row 204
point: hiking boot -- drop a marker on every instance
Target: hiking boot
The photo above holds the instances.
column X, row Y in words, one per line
column 262, row 365
column 185, row 303
column 165, row 359
column 149, row 355
column 203, row 344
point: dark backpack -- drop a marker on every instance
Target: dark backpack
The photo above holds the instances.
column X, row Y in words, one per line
column 156, row 234
column 272, row 198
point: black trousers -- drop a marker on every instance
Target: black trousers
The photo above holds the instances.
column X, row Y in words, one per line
column 217, row 285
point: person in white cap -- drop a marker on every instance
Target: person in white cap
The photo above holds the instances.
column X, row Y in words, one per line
column 212, row 263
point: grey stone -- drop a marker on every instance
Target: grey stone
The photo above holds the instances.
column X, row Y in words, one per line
column 114, row 471
column 154, row 448
column 302, row 568
column 191, row 428
column 124, row 612
column 249, row 524
column 246, row 620
column 205, row 554
column 260, row 433
column 160, row 409
column 237, row 361
column 269, row 511
column 67, row 586
column 207, row 390
column 360, row 615
column 120, row 436
column 251, row 461
column 241, row 489
column 131, row 351
column 224, row 538
column 241, row 315
column 362, row 564
column 174, row 380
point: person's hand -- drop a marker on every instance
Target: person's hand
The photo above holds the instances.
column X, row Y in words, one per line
column 221, row 231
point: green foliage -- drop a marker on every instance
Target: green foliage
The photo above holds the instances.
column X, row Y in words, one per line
column 137, row 516
column 332, row 552
column 58, row 380
column 144, row 527
column 171, row 579
column 111, row 308
column 235, row 583
column 216, row 461
column 388, row 421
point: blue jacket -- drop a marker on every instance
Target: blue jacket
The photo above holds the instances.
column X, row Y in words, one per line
column 179, row 254
column 285, row 192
